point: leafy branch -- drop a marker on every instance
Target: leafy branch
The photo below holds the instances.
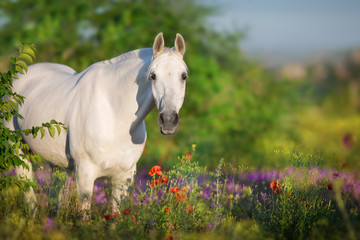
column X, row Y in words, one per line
column 12, row 147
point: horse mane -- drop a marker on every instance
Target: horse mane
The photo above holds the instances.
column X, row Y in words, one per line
column 129, row 55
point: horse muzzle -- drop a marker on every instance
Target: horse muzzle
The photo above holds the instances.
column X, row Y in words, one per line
column 168, row 122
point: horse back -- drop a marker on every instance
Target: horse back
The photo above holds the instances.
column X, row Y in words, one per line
column 46, row 88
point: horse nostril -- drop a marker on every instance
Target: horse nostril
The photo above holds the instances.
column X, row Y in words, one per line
column 176, row 119
column 161, row 119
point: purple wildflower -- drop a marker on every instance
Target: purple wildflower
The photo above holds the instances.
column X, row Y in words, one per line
column 49, row 223
column 10, row 173
column 141, row 178
column 207, row 193
column 201, row 179
column 43, row 177
column 136, row 198
column 147, row 200
column 218, row 172
column 238, row 190
column 160, row 194
column 101, row 198
column 334, row 176
column 230, row 186
column 348, row 187
column 357, row 188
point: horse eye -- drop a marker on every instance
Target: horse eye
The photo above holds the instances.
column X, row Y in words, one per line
column 184, row 76
column 153, row 76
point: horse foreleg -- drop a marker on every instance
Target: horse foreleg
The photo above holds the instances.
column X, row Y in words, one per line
column 86, row 176
column 120, row 188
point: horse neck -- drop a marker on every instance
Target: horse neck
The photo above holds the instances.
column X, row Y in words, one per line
column 129, row 90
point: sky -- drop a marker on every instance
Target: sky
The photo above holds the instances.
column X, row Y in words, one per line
column 291, row 29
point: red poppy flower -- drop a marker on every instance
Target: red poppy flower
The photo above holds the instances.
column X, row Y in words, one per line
column 115, row 215
column 164, row 179
column 159, row 173
column 276, row 190
column 181, row 196
column 273, row 184
column 154, row 170
column 166, row 211
column 107, row 217
column 134, row 218
column 203, row 229
column 126, row 211
column 152, row 184
column 174, row 189
column 190, row 208
column 330, row 186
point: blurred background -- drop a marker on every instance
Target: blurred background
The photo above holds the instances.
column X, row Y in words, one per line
column 271, row 84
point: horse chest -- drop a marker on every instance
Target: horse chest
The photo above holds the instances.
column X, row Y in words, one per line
column 110, row 145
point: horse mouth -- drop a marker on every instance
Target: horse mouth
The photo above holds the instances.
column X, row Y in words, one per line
column 168, row 131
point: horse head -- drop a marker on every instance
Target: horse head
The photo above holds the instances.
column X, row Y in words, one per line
column 167, row 73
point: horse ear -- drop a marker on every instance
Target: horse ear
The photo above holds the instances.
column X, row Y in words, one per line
column 158, row 44
column 179, row 44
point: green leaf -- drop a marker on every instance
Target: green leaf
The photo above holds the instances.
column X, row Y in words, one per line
column 17, row 161
column 27, row 132
column 29, row 50
column 42, row 131
column 58, row 129
column 24, row 165
column 18, row 115
column 34, row 131
column 27, row 57
column 22, row 64
column 13, row 104
column 19, row 69
column 32, row 184
column 36, row 158
column 52, row 131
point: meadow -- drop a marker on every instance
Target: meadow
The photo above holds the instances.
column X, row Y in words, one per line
column 258, row 155
column 191, row 202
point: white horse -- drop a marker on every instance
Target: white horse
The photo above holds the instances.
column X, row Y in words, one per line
column 104, row 108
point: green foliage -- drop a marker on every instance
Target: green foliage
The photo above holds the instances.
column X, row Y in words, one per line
column 13, row 150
